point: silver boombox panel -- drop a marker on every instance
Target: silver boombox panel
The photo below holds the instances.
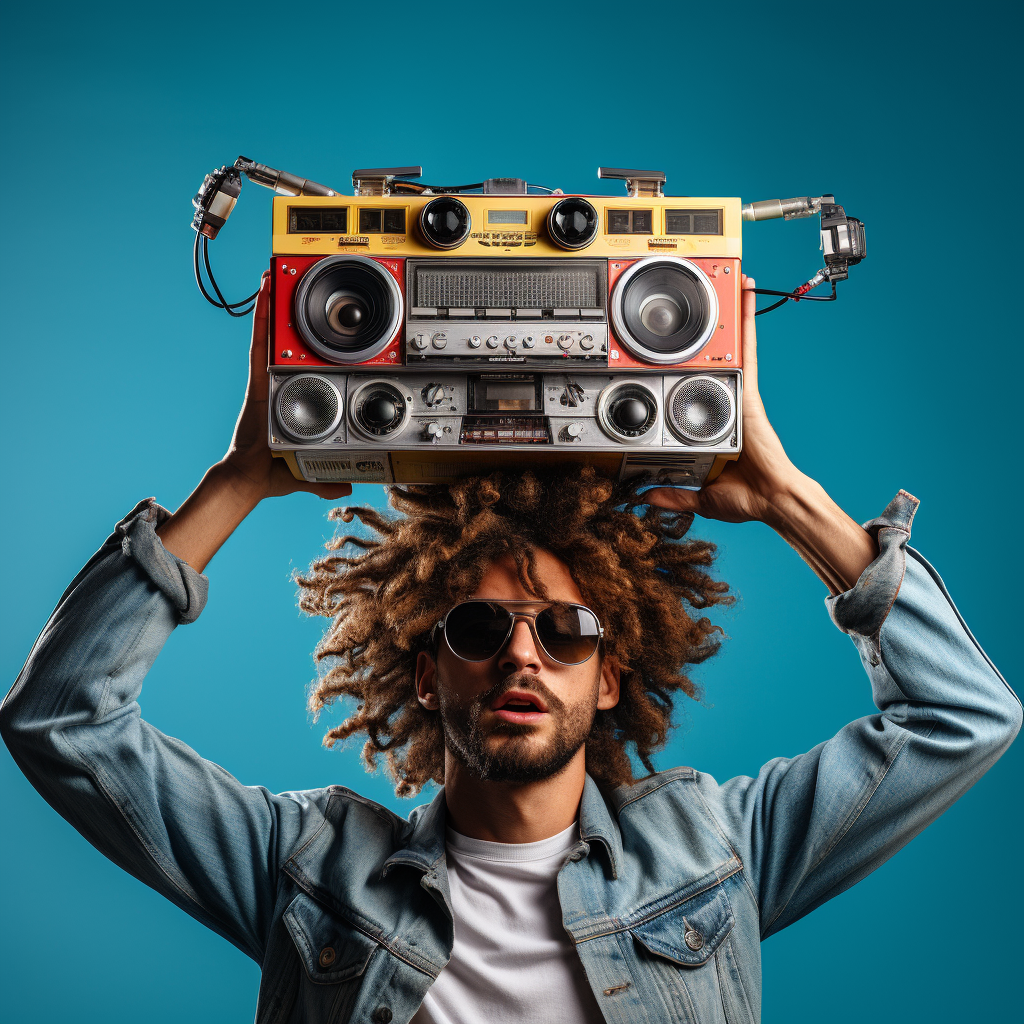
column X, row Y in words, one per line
column 416, row 426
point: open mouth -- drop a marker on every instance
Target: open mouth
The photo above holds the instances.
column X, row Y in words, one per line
column 519, row 706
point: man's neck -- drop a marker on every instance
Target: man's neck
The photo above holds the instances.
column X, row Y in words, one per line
column 505, row 812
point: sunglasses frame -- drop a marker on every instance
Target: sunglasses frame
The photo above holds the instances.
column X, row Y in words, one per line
column 442, row 627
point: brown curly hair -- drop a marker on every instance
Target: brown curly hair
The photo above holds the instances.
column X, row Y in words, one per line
column 386, row 594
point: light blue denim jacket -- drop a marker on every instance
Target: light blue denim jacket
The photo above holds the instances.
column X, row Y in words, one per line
column 668, row 892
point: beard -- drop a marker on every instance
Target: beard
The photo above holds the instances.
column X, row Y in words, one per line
column 515, row 760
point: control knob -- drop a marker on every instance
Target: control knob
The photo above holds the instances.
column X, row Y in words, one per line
column 432, row 431
column 564, row 341
column 574, row 430
column 511, row 341
column 420, row 341
column 433, row 394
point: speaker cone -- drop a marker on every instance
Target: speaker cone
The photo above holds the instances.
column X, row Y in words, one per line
column 445, row 222
column 627, row 411
column 308, row 408
column 572, row 223
column 701, row 410
column 378, row 409
column 664, row 309
column 347, row 308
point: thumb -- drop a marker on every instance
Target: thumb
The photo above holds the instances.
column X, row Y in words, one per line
column 679, row 499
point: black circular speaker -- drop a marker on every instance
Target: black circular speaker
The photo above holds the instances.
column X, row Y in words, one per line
column 308, row 408
column 378, row 409
column 347, row 308
column 701, row 410
column 445, row 222
column 572, row 223
column 664, row 309
column 627, row 411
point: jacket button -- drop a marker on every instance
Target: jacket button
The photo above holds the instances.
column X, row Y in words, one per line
column 327, row 956
column 694, row 940
column 382, row 1015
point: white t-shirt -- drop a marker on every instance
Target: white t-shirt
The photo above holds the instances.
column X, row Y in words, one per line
column 512, row 960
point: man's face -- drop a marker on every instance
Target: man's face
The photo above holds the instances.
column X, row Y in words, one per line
column 477, row 700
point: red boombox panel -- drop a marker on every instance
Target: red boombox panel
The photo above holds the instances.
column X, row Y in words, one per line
column 285, row 274
column 722, row 350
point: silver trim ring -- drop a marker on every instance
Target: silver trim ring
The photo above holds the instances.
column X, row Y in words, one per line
column 353, row 407
column 679, row 432
column 323, row 434
column 634, row 346
column 605, row 398
column 319, row 347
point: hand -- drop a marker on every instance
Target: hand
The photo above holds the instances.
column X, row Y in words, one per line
column 251, row 467
column 749, row 487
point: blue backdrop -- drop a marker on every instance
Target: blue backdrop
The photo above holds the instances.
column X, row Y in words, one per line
column 121, row 382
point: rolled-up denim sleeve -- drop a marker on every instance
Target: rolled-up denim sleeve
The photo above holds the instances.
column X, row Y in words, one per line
column 809, row 827
column 72, row 722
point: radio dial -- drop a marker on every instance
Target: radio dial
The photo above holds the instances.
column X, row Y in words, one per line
column 587, row 341
column 528, row 341
column 432, row 431
column 511, row 341
column 565, row 341
column 475, row 341
column 574, row 430
column 492, row 341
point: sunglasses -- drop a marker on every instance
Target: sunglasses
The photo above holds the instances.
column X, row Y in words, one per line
column 568, row 634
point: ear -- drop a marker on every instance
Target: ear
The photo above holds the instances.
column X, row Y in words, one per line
column 426, row 681
column 608, row 693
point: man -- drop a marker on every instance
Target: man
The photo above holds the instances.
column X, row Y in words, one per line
column 516, row 638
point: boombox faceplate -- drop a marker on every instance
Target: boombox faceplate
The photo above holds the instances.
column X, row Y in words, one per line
column 417, row 338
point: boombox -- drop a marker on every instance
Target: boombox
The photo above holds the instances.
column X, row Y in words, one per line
column 419, row 333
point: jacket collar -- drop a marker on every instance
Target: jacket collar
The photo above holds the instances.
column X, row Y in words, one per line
column 424, row 846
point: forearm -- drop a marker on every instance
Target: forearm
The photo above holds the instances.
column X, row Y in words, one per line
column 208, row 516
column 826, row 538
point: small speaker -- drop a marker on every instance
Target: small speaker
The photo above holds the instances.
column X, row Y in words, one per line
column 308, row 408
column 701, row 410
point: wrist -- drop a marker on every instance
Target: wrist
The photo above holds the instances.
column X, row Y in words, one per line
column 238, row 483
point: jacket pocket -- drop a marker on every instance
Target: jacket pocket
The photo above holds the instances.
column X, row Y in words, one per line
column 689, row 932
column 331, row 949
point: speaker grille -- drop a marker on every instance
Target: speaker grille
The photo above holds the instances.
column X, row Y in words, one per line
column 701, row 410
column 308, row 408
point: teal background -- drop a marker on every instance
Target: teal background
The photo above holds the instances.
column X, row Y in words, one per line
column 120, row 382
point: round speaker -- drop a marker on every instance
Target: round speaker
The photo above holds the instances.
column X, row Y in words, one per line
column 664, row 309
column 628, row 412
column 572, row 223
column 445, row 222
column 308, row 408
column 347, row 308
column 378, row 409
column 701, row 410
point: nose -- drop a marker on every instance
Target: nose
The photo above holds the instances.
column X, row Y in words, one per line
column 520, row 653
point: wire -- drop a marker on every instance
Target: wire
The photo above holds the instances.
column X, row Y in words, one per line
column 796, row 296
column 231, row 308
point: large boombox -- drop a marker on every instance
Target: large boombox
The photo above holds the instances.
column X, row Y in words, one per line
column 418, row 334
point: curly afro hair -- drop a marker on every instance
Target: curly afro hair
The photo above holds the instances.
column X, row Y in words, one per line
column 385, row 594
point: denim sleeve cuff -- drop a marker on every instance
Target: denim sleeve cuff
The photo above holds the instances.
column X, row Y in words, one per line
column 136, row 535
column 862, row 610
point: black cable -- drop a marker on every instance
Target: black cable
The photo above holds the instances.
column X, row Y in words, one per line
column 232, row 308
column 786, row 296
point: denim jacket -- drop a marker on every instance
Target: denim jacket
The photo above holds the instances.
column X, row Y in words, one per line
column 667, row 893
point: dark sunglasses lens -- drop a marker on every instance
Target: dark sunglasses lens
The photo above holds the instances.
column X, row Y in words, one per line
column 569, row 632
column 476, row 631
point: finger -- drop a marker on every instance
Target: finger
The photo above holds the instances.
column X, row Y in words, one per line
column 329, row 491
column 260, row 328
column 748, row 332
column 676, row 498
